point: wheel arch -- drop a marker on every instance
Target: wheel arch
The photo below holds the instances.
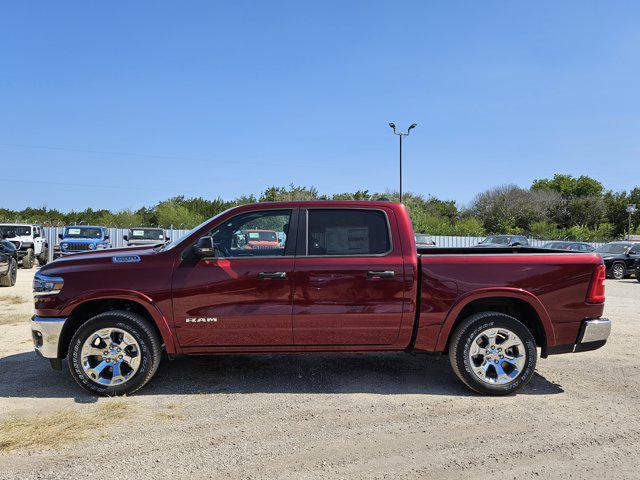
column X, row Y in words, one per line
column 518, row 303
column 83, row 310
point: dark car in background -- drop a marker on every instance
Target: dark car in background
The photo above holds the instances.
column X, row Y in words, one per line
column 620, row 258
column 424, row 241
column 504, row 241
column 571, row 246
column 8, row 264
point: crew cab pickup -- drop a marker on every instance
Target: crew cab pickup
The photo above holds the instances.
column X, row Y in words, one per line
column 346, row 277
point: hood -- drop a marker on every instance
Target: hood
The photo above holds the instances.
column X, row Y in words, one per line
column 97, row 257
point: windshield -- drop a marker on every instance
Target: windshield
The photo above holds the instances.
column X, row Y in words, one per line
column 173, row 243
column 146, row 234
column 15, row 231
column 615, row 248
column 83, row 232
column 423, row 239
column 496, row 240
column 261, row 236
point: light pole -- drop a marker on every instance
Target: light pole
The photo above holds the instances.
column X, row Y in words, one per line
column 393, row 127
column 631, row 209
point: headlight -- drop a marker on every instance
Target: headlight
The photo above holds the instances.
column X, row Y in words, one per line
column 92, row 246
column 46, row 285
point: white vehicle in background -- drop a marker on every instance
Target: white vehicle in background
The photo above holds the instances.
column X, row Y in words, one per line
column 29, row 241
column 145, row 236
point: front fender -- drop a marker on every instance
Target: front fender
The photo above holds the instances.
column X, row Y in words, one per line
column 134, row 296
column 518, row 293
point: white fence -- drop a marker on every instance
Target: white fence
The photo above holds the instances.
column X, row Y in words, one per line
column 116, row 234
column 460, row 241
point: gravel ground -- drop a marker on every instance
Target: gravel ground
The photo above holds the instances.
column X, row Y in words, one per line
column 339, row 416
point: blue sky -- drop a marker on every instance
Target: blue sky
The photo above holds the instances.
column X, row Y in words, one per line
column 122, row 104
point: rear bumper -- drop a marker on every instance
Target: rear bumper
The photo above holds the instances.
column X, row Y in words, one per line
column 46, row 332
column 594, row 333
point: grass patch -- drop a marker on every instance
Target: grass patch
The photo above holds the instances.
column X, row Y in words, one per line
column 56, row 429
column 13, row 300
column 13, row 318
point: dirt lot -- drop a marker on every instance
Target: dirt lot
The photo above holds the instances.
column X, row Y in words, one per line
column 319, row 416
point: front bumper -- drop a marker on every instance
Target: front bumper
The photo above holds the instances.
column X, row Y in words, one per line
column 46, row 332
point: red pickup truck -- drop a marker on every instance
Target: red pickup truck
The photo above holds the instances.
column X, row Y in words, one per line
column 346, row 277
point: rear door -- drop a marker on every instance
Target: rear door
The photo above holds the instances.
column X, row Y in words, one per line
column 349, row 278
column 242, row 295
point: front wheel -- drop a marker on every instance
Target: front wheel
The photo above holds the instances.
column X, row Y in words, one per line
column 493, row 353
column 114, row 353
column 618, row 271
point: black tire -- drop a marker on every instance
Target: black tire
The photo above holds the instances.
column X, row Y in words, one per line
column 618, row 270
column 9, row 280
column 43, row 258
column 27, row 260
column 465, row 334
column 135, row 325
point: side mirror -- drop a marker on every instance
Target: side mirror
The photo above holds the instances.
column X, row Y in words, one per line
column 60, row 236
column 36, row 235
column 125, row 238
column 204, row 248
column 106, row 237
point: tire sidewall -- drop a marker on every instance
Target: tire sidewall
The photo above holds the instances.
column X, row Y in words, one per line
column 111, row 321
column 473, row 330
column 27, row 260
column 613, row 270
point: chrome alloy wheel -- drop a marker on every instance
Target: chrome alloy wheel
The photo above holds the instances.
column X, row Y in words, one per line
column 110, row 356
column 497, row 356
column 617, row 271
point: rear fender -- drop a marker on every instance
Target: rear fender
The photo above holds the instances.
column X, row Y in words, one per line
column 452, row 316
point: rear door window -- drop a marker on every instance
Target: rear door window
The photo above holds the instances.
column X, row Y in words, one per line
column 347, row 232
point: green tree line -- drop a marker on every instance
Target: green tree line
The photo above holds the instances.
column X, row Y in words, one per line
column 562, row 207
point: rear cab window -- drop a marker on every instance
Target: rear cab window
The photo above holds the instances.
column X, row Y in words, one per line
column 347, row 232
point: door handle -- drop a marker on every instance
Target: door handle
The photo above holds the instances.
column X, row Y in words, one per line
column 381, row 274
column 273, row 275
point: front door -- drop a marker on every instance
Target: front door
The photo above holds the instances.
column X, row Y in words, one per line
column 243, row 295
column 349, row 283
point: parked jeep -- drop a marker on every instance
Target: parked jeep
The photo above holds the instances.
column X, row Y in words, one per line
column 145, row 236
column 81, row 238
column 29, row 241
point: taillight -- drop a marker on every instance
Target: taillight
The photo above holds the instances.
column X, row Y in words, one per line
column 596, row 288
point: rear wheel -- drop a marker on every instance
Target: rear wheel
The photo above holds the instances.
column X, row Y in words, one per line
column 114, row 353
column 27, row 260
column 618, row 271
column 9, row 280
column 493, row 353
